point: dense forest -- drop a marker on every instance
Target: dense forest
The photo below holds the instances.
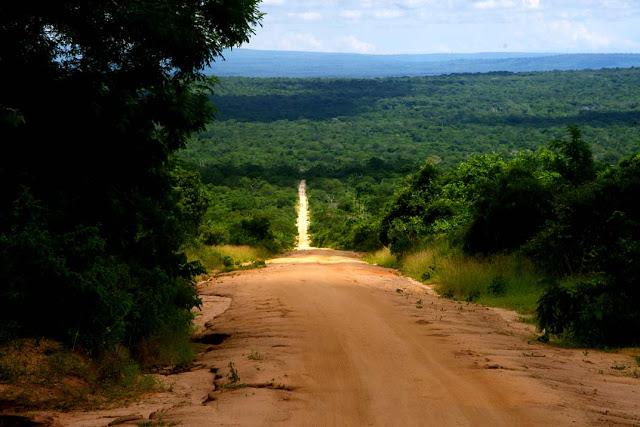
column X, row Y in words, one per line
column 513, row 171
column 353, row 140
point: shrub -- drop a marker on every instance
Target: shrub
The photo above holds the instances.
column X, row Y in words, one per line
column 382, row 257
column 364, row 236
column 596, row 233
column 595, row 311
column 509, row 211
column 225, row 257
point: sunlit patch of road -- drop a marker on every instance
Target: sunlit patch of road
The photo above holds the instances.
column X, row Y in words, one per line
column 304, row 241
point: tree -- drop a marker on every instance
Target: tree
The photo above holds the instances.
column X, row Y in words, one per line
column 94, row 98
column 403, row 223
column 574, row 157
column 509, row 210
column 595, row 234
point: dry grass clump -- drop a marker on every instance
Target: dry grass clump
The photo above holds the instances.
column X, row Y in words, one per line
column 43, row 374
column 508, row 281
column 228, row 257
column 382, row 257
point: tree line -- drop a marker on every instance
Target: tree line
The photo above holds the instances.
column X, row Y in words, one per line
column 577, row 219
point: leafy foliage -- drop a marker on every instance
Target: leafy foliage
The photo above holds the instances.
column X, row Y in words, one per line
column 494, row 187
column 510, row 209
column 95, row 97
column 596, row 232
column 579, row 227
column 354, row 140
column 250, row 212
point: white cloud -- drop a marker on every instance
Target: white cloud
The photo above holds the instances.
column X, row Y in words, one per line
column 406, row 26
column 351, row 14
column 493, row 4
column 416, row 3
column 387, row 13
column 579, row 34
column 353, row 44
column 309, row 15
column 505, row 4
column 300, row 42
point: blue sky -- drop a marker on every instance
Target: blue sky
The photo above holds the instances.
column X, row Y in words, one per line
column 444, row 26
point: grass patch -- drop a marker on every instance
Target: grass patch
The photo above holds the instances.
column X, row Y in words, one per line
column 173, row 349
column 506, row 281
column 381, row 257
column 228, row 257
column 421, row 264
column 43, row 374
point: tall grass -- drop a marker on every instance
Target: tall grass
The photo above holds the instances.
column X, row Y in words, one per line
column 227, row 257
column 419, row 264
column 507, row 281
column 382, row 257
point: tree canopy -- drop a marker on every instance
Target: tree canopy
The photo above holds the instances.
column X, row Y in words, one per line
column 95, row 96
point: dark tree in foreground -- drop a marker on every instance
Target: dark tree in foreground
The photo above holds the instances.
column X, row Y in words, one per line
column 595, row 235
column 94, row 98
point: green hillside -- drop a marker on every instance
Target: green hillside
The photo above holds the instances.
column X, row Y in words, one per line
column 353, row 140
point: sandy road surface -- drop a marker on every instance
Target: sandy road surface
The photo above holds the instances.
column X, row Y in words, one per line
column 320, row 338
column 304, row 242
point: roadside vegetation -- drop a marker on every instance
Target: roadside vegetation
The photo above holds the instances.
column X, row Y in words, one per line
column 550, row 232
column 225, row 258
column 42, row 373
column 95, row 211
column 354, row 140
column 507, row 208
column 245, row 222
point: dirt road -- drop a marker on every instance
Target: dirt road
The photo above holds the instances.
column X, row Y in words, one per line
column 320, row 338
column 303, row 217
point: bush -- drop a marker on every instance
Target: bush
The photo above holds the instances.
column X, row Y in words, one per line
column 213, row 234
column 595, row 233
column 498, row 286
column 364, row 236
column 510, row 210
column 597, row 311
column 227, row 257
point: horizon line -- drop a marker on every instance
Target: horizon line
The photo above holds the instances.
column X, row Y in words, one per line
column 548, row 53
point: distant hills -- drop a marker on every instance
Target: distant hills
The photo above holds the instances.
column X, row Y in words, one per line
column 262, row 63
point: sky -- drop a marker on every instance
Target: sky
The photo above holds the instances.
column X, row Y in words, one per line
column 449, row 26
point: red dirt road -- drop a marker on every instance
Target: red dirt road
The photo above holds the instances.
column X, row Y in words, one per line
column 320, row 338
